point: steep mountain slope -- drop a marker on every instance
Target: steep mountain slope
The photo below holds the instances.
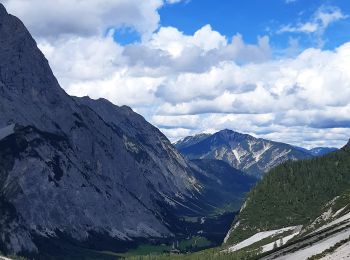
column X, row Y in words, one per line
column 310, row 197
column 221, row 182
column 222, row 188
column 223, row 191
column 219, row 172
column 66, row 168
column 244, row 152
column 190, row 140
column 81, row 173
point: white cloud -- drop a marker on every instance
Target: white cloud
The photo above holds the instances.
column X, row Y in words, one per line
column 174, row 42
column 321, row 19
column 83, row 58
column 85, row 18
column 203, row 82
column 305, row 95
column 99, row 67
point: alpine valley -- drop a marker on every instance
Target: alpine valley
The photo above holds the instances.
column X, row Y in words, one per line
column 86, row 179
column 79, row 174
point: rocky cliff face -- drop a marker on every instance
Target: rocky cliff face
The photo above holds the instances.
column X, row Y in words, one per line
column 76, row 166
column 252, row 155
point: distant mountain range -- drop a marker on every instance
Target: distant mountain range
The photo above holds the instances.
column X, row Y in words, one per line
column 319, row 151
column 254, row 156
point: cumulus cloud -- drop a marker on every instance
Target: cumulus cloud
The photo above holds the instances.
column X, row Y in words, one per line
column 82, row 59
column 97, row 66
column 304, row 95
column 64, row 17
column 174, row 42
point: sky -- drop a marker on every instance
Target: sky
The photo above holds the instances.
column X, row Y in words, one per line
column 277, row 69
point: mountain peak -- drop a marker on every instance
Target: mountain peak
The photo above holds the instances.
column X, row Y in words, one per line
column 228, row 134
column 228, row 131
column 27, row 78
column 242, row 151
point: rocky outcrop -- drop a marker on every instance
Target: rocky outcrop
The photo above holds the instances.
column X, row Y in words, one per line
column 76, row 166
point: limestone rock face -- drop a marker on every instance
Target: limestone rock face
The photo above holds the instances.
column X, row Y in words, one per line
column 254, row 156
column 76, row 166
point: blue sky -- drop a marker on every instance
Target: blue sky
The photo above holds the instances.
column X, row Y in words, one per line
column 277, row 69
column 249, row 18
column 255, row 17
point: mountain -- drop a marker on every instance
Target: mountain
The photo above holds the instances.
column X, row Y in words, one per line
column 252, row 155
column 66, row 169
column 319, row 151
column 81, row 173
column 305, row 203
column 190, row 140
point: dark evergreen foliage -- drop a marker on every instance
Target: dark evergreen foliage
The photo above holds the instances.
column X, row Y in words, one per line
column 294, row 193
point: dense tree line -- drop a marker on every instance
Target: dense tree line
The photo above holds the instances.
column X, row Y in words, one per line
column 294, row 193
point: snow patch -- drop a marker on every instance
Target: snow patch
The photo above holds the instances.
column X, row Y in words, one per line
column 260, row 236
